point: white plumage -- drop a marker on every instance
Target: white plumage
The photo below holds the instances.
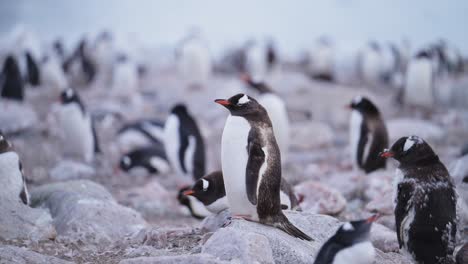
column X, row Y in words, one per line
column 361, row 253
column 10, row 175
column 195, row 62
column 419, row 83
column 355, row 134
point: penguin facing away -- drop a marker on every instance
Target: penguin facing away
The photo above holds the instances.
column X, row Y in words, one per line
column 211, row 192
column 349, row 245
column 251, row 165
column 77, row 127
column 276, row 109
column 152, row 159
column 184, row 144
column 425, row 209
column 12, row 86
column 368, row 135
column 11, row 171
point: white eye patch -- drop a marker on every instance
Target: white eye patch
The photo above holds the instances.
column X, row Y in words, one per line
column 408, row 144
column 357, row 99
column 126, row 160
column 206, row 184
column 243, row 100
column 348, row 227
column 1, row 137
column 69, row 93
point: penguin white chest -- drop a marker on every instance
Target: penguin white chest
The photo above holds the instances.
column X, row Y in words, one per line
column 234, row 157
column 77, row 131
column 355, row 134
column 172, row 142
column 419, row 85
column 279, row 118
column 10, row 175
column 361, row 253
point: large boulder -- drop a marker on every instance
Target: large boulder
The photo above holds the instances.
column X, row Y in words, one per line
column 12, row 254
column 233, row 243
column 319, row 198
column 71, row 170
column 83, row 210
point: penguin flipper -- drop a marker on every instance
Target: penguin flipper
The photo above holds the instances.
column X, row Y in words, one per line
column 254, row 163
column 362, row 144
column 282, row 222
column 403, row 203
column 97, row 149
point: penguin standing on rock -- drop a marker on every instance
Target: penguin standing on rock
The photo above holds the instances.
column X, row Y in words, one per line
column 11, row 84
column 184, row 144
column 349, row 245
column 211, row 192
column 11, row 171
column 77, row 127
column 368, row 135
column 425, row 209
column 277, row 112
column 251, row 165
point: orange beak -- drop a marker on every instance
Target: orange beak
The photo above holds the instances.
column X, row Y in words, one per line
column 373, row 218
column 386, row 154
column 188, row 192
column 222, row 102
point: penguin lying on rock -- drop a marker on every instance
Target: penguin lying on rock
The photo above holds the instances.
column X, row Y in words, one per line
column 251, row 165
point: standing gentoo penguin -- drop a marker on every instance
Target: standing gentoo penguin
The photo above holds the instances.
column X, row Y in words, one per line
column 11, row 171
column 151, row 159
column 184, row 144
column 368, row 135
column 11, row 84
column 276, row 109
column 77, row 127
column 419, row 85
column 211, row 192
column 349, row 245
column 251, row 163
column 425, row 209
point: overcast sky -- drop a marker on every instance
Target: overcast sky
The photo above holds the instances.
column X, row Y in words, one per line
column 294, row 24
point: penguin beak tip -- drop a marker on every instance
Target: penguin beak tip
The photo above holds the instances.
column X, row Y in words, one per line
column 222, row 102
column 386, row 154
column 373, row 218
column 188, row 192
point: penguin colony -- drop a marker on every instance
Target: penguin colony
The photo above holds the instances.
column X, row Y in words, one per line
column 251, row 183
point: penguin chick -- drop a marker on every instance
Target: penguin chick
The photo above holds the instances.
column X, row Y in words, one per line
column 251, row 164
column 425, row 209
column 368, row 135
column 349, row 245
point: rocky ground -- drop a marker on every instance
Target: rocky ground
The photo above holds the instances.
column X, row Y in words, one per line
column 89, row 213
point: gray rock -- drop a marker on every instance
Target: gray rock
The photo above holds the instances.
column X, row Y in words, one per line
column 284, row 248
column 319, row 198
column 405, row 127
column 213, row 222
column 18, row 221
column 84, row 210
column 12, row 254
column 70, row 170
column 187, row 259
column 384, row 238
column 16, row 117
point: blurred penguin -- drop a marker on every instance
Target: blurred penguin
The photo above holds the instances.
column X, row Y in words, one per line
column 53, row 76
column 124, row 77
column 11, row 172
column 194, row 61
column 371, row 64
column 78, row 131
column 321, row 60
column 276, row 109
column 420, row 80
column 11, row 84
column 140, row 133
column 255, row 59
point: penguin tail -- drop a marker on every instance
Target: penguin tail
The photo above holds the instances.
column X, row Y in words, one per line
column 281, row 222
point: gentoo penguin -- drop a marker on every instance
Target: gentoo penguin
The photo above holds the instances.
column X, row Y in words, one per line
column 194, row 206
column 52, row 74
column 79, row 65
column 349, row 245
column 33, row 73
column 271, row 56
column 251, row 164
column 371, row 64
column 11, row 171
column 11, row 84
column 210, row 191
column 184, row 144
column 124, row 77
column 77, row 127
column 141, row 133
column 151, row 159
column 368, row 135
column 425, row 209
column 276, row 109
column 321, row 60
column 419, row 85
column 194, row 61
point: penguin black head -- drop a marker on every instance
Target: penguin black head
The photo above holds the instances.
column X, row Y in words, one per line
column 208, row 189
column 363, row 105
column 354, row 232
column 185, row 201
column 241, row 105
column 179, row 109
column 150, row 158
column 5, row 146
column 260, row 86
column 411, row 150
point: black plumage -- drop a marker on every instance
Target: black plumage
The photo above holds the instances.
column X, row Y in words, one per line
column 12, row 86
